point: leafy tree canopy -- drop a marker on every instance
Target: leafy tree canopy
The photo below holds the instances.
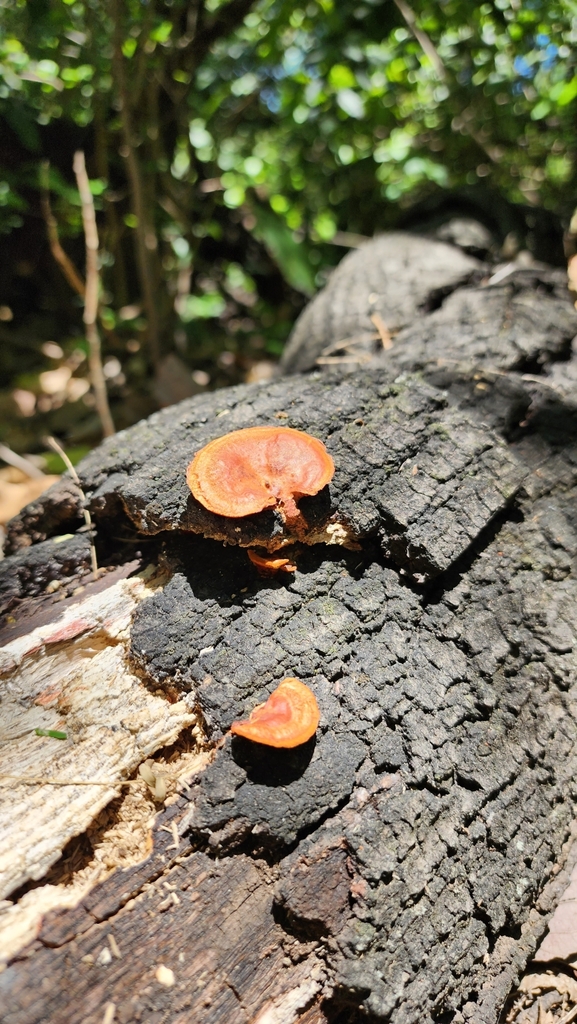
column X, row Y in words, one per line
column 224, row 137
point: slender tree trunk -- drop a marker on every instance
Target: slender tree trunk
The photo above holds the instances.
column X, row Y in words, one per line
column 145, row 235
column 113, row 228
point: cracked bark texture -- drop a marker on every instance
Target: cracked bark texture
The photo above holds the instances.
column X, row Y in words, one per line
column 404, row 854
column 424, row 477
column 397, row 276
column 29, row 572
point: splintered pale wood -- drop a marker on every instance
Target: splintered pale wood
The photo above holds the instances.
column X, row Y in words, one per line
column 73, row 675
column 198, row 944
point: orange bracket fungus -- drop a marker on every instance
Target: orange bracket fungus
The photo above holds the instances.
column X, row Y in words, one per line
column 289, row 717
column 257, row 468
column 271, row 565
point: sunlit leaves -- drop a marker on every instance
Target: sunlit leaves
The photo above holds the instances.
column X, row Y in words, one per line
column 202, row 307
column 245, row 85
column 341, row 77
column 559, row 168
column 324, row 225
column 129, row 47
column 566, row 94
column 234, row 196
column 161, row 34
column 331, row 115
column 351, row 103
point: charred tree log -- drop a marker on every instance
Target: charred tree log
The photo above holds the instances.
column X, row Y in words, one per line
column 401, row 863
column 398, row 277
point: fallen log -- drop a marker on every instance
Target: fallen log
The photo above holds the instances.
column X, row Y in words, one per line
column 404, row 863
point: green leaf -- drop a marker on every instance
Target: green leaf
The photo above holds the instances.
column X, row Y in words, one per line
column 54, row 464
column 97, row 186
column 559, row 168
column 568, row 93
column 129, row 47
column 198, row 135
column 541, row 110
column 161, row 33
column 325, row 226
column 290, row 256
column 341, row 77
column 82, row 73
column 279, row 204
column 23, row 124
column 234, row 196
column 202, row 307
column 351, row 103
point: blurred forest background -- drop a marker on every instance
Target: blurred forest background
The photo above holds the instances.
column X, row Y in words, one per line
column 236, row 149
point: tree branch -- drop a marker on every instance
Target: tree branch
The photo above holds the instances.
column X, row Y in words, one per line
column 220, row 26
column 66, row 265
column 426, row 44
column 91, row 295
column 428, row 48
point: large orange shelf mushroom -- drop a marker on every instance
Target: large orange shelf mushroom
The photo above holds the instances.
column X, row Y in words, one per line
column 256, row 468
column 289, row 717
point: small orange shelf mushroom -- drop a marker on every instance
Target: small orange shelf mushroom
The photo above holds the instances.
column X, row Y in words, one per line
column 271, row 565
column 289, row 717
column 249, row 470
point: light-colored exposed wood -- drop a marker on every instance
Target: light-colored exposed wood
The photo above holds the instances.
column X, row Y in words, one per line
column 73, row 675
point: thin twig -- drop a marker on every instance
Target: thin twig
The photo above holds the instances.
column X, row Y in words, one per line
column 347, row 343
column 384, row 333
column 91, row 295
column 569, row 1016
column 430, row 50
column 423, row 39
column 362, row 357
column 484, row 371
column 18, row 462
column 53, row 443
column 68, row 269
column 501, row 274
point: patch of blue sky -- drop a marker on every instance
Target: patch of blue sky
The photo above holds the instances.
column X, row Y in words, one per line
column 293, row 60
column 523, row 68
column 549, row 56
column 271, row 98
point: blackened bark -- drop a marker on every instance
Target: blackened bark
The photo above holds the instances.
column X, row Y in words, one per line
column 401, row 856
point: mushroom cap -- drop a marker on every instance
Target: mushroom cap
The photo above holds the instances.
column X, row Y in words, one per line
column 249, row 470
column 271, row 565
column 289, row 717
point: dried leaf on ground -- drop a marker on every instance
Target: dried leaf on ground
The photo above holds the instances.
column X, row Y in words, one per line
column 17, row 490
column 547, row 998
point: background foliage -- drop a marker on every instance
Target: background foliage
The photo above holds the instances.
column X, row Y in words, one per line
column 234, row 148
